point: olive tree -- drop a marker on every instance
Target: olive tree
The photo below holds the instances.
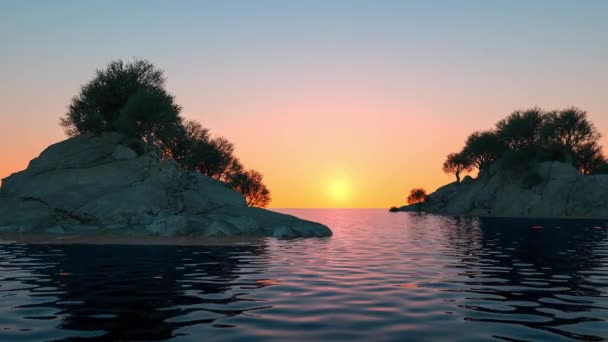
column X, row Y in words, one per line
column 416, row 196
column 570, row 133
column 457, row 163
column 589, row 158
column 129, row 98
column 195, row 150
column 521, row 130
column 533, row 135
column 569, row 128
column 249, row 183
column 483, row 148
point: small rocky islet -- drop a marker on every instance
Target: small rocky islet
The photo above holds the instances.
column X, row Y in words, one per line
column 547, row 189
column 99, row 184
column 533, row 163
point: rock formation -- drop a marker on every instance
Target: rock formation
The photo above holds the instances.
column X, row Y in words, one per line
column 98, row 184
column 548, row 189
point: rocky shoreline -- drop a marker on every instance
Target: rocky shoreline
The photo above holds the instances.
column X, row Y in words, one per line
column 542, row 190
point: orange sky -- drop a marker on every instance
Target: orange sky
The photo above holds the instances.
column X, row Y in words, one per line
column 337, row 105
column 337, row 152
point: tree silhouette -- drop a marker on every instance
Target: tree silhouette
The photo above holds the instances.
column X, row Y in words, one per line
column 574, row 137
column 196, row 150
column 150, row 115
column 416, row 196
column 250, row 184
column 129, row 98
column 534, row 135
column 602, row 169
column 191, row 134
column 589, row 158
column 569, row 128
column 483, row 148
column 456, row 163
column 521, row 130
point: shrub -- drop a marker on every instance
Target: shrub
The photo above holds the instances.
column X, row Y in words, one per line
column 416, row 196
column 196, row 150
column 602, row 169
column 250, row 184
column 588, row 158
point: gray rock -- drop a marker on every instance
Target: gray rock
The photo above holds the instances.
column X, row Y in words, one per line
column 123, row 153
column 170, row 226
column 24, row 212
column 467, row 180
column 219, row 228
column 55, row 230
column 95, row 184
column 212, row 191
column 194, row 202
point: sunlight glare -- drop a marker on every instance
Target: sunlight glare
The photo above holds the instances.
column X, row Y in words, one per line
column 339, row 189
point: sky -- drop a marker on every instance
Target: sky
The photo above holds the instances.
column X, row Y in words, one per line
column 338, row 103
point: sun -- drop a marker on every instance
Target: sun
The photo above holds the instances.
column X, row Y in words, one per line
column 339, row 189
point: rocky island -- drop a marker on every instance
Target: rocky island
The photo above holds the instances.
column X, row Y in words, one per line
column 133, row 166
column 533, row 164
column 96, row 184
column 548, row 189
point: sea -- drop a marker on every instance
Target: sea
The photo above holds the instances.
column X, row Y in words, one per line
column 381, row 277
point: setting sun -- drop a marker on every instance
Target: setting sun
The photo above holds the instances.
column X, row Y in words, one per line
column 339, row 190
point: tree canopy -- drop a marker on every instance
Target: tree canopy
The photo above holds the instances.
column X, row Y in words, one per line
column 534, row 135
column 196, row 150
column 250, row 184
column 416, row 196
column 457, row 163
column 569, row 128
column 483, row 148
column 521, row 130
column 130, row 98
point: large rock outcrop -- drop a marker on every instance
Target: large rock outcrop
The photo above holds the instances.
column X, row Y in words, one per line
column 98, row 184
column 548, row 189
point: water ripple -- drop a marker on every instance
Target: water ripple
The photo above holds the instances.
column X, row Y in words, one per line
column 381, row 277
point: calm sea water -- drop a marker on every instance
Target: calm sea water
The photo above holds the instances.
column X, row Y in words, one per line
column 381, row 277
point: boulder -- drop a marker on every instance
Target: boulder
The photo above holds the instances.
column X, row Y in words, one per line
column 98, row 184
column 123, row 153
column 467, row 180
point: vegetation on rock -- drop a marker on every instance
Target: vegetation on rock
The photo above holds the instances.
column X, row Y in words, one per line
column 416, row 196
column 513, row 155
column 533, row 135
column 130, row 98
column 456, row 164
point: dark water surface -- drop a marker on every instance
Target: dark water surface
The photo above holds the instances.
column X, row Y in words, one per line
column 381, row 277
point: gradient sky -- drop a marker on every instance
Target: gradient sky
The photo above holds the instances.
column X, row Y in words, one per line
column 338, row 103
